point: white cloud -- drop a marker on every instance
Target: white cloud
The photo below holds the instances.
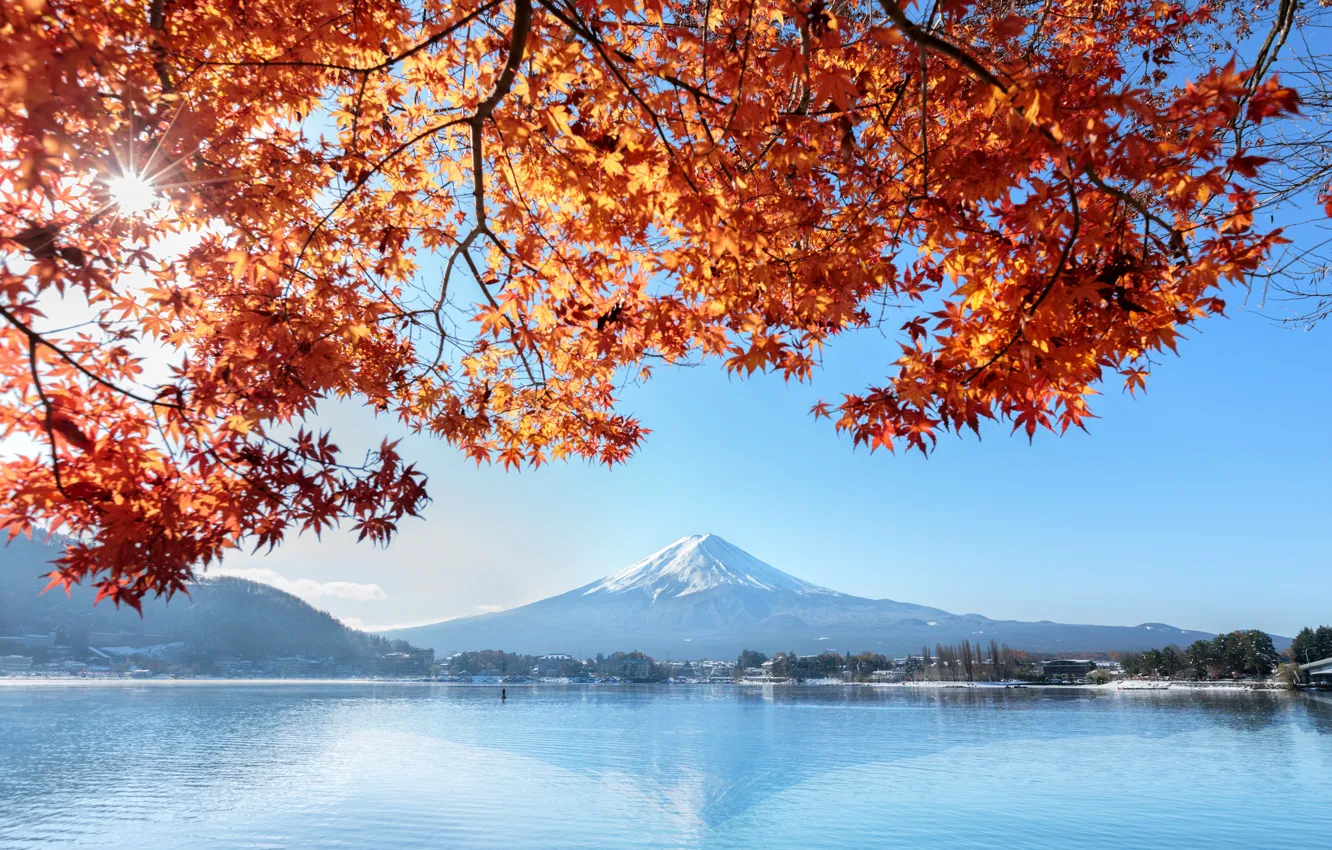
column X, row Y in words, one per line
column 361, row 625
column 306, row 588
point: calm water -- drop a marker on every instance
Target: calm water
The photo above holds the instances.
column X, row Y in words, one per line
column 386, row 767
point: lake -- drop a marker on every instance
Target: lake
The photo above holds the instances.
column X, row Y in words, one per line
column 230, row 765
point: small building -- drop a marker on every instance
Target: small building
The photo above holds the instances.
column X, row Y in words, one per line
column 1067, row 668
column 1318, row 672
column 759, row 675
column 293, row 666
column 415, row 662
column 717, row 671
column 626, row 667
column 887, row 675
column 553, row 664
column 15, row 663
column 231, row 666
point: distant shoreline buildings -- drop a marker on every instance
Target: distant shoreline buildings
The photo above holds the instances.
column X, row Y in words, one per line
column 146, row 655
column 115, row 654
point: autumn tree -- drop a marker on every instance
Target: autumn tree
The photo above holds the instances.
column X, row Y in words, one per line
column 479, row 217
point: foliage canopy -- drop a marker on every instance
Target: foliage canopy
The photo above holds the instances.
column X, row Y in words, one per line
column 480, row 216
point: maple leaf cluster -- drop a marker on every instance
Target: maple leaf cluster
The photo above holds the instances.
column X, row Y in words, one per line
column 480, row 217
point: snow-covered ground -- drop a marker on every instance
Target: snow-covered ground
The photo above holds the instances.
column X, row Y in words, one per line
column 160, row 651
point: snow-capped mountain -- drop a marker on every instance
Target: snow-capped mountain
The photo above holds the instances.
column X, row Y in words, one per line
column 699, row 563
column 704, row 597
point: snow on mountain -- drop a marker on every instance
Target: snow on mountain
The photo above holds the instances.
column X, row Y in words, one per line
column 704, row 597
column 697, row 563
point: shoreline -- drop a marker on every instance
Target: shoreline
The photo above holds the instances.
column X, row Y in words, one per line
column 1109, row 687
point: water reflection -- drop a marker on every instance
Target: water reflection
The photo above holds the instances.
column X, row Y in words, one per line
column 398, row 766
column 1318, row 707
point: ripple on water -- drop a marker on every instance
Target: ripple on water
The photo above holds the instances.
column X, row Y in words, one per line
column 398, row 767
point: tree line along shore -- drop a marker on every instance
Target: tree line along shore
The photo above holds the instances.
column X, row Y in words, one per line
column 1241, row 655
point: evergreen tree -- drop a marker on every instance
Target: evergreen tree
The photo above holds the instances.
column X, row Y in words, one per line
column 1312, row 645
column 1152, row 662
column 750, row 658
column 1132, row 664
column 1171, row 662
column 1260, row 656
column 1199, row 658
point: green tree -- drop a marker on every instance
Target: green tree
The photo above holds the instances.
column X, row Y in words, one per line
column 1199, row 658
column 1152, row 662
column 1131, row 664
column 1171, row 662
column 1228, row 653
column 1260, row 656
column 750, row 658
column 1312, row 645
column 914, row 667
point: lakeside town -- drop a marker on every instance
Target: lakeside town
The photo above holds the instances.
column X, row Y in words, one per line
column 1237, row 659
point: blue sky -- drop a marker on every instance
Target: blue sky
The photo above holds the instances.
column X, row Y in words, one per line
column 1203, row 504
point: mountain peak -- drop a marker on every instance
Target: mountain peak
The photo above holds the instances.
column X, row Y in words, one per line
column 697, row 563
column 703, row 597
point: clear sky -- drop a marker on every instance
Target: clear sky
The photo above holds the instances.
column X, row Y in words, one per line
column 1204, row 504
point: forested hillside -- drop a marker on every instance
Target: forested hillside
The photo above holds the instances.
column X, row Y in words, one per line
column 222, row 616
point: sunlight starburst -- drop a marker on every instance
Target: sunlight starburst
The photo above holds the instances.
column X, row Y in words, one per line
column 132, row 193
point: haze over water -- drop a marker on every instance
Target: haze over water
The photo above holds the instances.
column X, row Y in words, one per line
column 384, row 766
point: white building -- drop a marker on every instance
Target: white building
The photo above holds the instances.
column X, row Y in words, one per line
column 15, row 663
column 1318, row 672
column 552, row 664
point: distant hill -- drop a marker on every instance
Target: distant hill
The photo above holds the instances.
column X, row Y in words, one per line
column 703, row 597
column 222, row 616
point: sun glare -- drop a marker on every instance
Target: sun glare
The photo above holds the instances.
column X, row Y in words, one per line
column 132, row 193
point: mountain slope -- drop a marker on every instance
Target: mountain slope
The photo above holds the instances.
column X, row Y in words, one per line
column 221, row 617
column 702, row 596
column 700, row 563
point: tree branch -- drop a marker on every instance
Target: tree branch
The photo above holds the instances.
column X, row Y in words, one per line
column 36, row 339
